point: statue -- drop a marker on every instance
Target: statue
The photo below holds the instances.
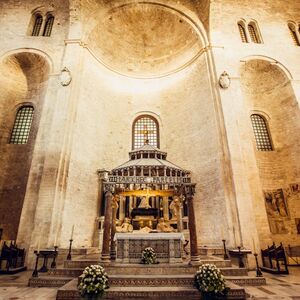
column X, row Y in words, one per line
column 125, row 227
column 163, row 226
column 144, row 203
column 173, row 210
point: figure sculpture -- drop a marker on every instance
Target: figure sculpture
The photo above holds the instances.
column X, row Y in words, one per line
column 163, row 226
column 125, row 227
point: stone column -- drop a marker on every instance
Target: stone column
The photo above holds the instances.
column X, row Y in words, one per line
column 122, row 208
column 105, row 256
column 195, row 258
column 114, row 207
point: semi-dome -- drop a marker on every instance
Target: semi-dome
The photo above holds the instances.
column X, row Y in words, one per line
column 144, row 40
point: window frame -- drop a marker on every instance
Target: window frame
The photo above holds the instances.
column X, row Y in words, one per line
column 133, row 130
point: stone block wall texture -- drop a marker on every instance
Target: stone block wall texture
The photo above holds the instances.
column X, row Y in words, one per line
column 51, row 183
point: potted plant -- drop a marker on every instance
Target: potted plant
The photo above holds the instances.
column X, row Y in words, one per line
column 93, row 282
column 149, row 256
column 210, row 282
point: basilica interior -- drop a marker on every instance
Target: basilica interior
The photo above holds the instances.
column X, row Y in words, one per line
column 127, row 124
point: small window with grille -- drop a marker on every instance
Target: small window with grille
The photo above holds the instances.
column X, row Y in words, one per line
column 293, row 34
column 22, row 125
column 261, row 133
column 242, row 31
column 38, row 21
column 48, row 25
column 145, row 131
column 253, row 32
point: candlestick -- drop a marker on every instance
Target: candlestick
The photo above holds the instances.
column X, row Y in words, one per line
column 222, row 232
column 254, row 248
column 258, row 271
column 69, row 257
column 55, row 241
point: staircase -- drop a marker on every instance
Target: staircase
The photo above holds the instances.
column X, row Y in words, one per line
column 136, row 281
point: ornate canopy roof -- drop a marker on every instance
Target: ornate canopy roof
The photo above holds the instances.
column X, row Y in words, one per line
column 147, row 157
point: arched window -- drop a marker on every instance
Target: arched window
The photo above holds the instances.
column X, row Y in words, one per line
column 261, row 133
column 38, row 21
column 253, row 32
column 293, row 33
column 22, row 126
column 242, row 31
column 145, row 130
column 48, row 25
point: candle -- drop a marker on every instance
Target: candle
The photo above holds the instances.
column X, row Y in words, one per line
column 55, row 241
column 72, row 233
column 253, row 242
column 222, row 232
column 38, row 246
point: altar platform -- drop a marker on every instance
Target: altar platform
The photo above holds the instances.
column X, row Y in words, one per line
column 167, row 246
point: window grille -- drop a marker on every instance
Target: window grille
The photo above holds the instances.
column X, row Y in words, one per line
column 294, row 35
column 261, row 133
column 145, row 131
column 48, row 26
column 37, row 25
column 21, row 129
column 242, row 33
column 253, row 34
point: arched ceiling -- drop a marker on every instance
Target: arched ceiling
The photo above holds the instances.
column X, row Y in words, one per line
column 259, row 76
column 144, row 39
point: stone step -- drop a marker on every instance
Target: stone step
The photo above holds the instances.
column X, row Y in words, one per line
column 69, row 291
column 160, row 269
column 48, row 281
column 246, row 280
column 82, row 263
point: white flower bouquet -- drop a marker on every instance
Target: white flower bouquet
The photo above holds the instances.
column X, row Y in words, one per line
column 210, row 282
column 93, row 282
column 149, row 256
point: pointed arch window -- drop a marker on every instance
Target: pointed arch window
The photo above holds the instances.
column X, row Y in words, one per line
column 145, row 130
column 293, row 33
column 22, row 125
column 242, row 30
column 38, row 21
column 253, row 32
column 261, row 133
column 48, row 25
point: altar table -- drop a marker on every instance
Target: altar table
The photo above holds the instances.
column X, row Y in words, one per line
column 167, row 246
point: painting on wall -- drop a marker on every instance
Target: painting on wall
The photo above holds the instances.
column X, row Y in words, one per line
column 277, row 210
column 297, row 221
column 295, row 188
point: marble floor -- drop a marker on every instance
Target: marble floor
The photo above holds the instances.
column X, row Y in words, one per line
column 287, row 287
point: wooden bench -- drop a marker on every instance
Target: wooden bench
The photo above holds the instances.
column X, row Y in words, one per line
column 274, row 260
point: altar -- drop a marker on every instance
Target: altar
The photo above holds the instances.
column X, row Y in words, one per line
column 167, row 246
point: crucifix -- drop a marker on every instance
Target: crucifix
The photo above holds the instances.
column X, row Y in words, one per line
column 146, row 133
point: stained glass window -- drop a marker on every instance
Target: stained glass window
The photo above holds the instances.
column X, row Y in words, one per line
column 145, row 131
column 21, row 129
column 253, row 33
column 261, row 133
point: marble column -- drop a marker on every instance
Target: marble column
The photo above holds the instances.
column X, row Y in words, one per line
column 195, row 258
column 105, row 256
column 114, row 209
column 122, row 208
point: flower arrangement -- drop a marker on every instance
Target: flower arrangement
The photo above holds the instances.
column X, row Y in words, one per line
column 210, row 282
column 93, row 282
column 149, row 256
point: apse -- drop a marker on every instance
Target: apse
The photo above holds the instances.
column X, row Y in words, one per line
column 23, row 77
